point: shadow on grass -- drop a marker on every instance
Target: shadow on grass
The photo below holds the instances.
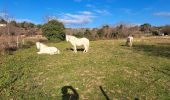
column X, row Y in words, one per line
column 159, row 50
column 107, row 97
column 168, row 44
column 104, row 93
column 69, row 96
column 78, row 49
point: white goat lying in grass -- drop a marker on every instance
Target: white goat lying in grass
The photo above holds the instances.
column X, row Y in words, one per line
column 46, row 50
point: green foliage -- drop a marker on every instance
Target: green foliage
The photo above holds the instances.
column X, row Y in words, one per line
column 100, row 33
column 31, row 25
column 13, row 23
column 26, row 25
column 88, row 34
column 39, row 26
column 53, row 30
column 114, row 34
column 156, row 33
column 2, row 21
column 27, row 44
column 146, row 27
column 79, row 35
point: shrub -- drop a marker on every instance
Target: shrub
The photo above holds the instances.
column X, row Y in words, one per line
column 166, row 30
column 7, row 48
column 156, row 33
column 100, row 33
column 53, row 30
column 89, row 35
column 146, row 28
column 79, row 35
column 114, row 35
column 28, row 44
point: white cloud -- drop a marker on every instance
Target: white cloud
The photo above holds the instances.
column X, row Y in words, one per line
column 90, row 6
column 26, row 20
column 104, row 11
column 22, row 20
column 165, row 14
column 4, row 15
column 81, row 18
column 86, row 12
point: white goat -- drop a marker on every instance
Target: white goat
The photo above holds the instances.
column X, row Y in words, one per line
column 78, row 42
column 46, row 50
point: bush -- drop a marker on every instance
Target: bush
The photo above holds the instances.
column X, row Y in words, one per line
column 114, row 35
column 6, row 48
column 166, row 30
column 54, row 30
column 100, row 33
column 89, row 35
column 79, row 35
column 155, row 33
column 28, row 44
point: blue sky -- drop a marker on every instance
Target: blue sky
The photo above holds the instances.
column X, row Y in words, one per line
column 90, row 13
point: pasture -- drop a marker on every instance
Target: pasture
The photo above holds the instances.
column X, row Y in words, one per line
column 141, row 71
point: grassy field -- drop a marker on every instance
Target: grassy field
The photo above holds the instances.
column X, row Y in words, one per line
column 142, row 71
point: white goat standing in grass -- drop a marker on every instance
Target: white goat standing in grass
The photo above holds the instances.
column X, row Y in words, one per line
column 78, row 42
column 129, row 41
column 46, row 50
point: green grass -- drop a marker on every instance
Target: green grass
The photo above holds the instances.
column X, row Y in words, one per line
column 142, row 71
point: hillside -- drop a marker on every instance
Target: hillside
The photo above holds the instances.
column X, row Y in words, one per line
column 124, row 73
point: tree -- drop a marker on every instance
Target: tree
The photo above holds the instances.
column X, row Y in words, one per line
column 13, row 23
column 100, row 33
column 79, row 35
column 121, row 31
column 31, row 25
column 107, row 31
column 39, row 26
column 166, row 30
column 146, row 27
column 88, row 34
column 94, row 33
column 25, row 25
column 53, row 30
column 2, row 21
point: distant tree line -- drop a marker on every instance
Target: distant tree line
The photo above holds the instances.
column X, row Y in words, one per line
column 120, row 31
column 55, row 30
column 19, row 28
